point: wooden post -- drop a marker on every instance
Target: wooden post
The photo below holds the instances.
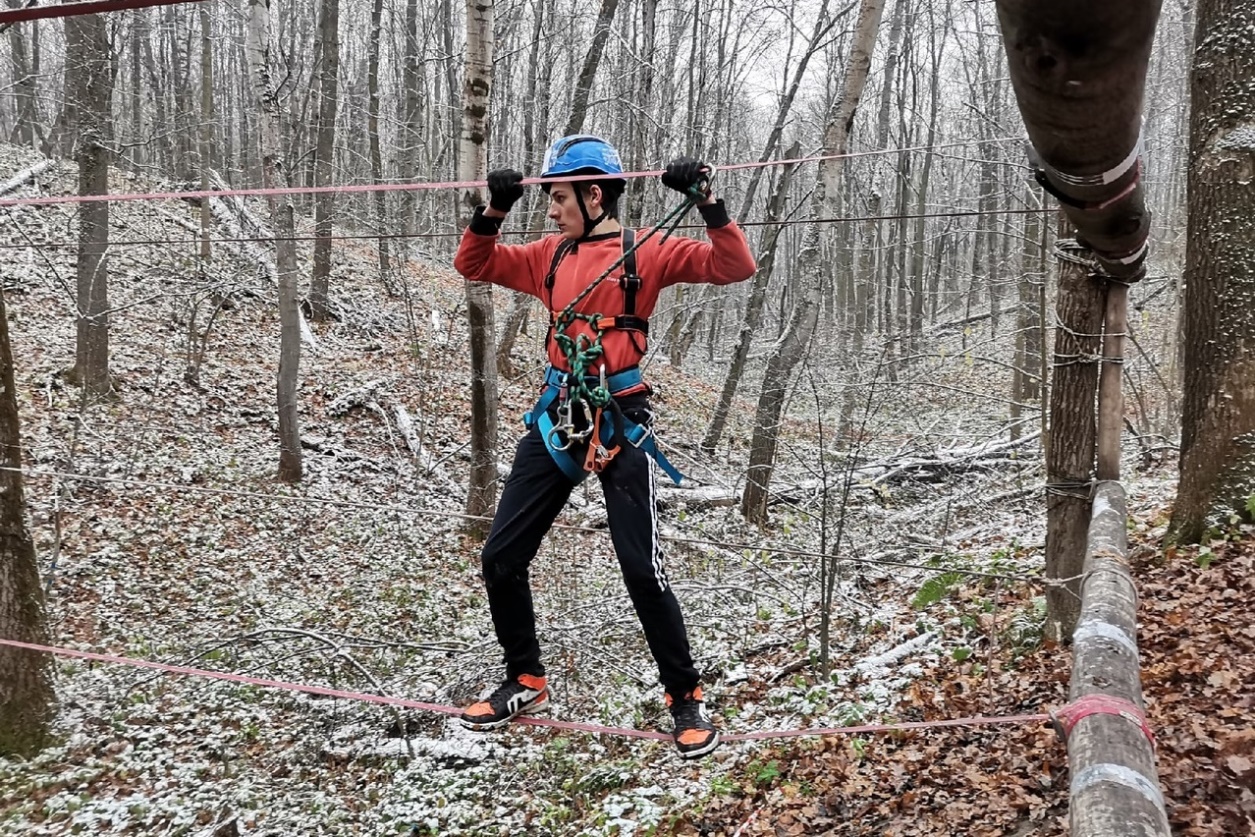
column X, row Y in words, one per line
column 1110, row 395
column 1115, row 787
column 1073, row 432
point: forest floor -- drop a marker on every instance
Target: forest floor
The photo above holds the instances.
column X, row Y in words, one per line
column 174, row 542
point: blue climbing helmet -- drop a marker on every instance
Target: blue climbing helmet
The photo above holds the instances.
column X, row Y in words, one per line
column 580, row 154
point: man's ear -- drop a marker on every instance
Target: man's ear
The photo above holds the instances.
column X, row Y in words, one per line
column 594, row 194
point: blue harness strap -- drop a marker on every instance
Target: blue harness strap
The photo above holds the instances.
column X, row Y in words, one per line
column 637, row 435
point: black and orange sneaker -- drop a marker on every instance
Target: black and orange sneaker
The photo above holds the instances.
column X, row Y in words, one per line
column 522, row 695
column 694, row 734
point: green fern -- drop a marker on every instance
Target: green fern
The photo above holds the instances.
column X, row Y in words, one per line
column 935, row 589
column 1028, row 625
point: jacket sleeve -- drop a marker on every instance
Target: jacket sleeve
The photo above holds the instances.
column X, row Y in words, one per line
column 723, row 260
column 519, row 267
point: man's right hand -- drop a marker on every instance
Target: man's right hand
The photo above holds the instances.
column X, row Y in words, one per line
column 505, row 186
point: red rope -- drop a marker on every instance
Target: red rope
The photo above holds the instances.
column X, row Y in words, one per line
column 357, row 188
column 597, row 729
column 89, row 7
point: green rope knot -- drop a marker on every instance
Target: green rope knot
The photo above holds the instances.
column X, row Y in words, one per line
column 581, row 353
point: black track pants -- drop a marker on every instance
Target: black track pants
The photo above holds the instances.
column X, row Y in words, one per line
column 533, row 496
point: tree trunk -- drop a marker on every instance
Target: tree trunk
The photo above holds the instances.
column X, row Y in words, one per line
column 180, row 85
column 205, row 161
column 157, row 80
column 535, row 125
column 1026, row 384
column 411, row 116
column 1218, row 422
column 135, row 103
column 376, row 153
column 797, row 336
column 520, row 307
column 481, row 495
column 882, row 171
column 26, row 693
column 920, row 259
column 89, row 90
column 644, row 97
column 25, row 89
column 1110, row 395
column 274, row 175
column 1070, row 445
column 754, row 307
column 588, row 73
column 324, row 156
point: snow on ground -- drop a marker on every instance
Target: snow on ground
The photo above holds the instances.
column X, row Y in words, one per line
column 175, row 543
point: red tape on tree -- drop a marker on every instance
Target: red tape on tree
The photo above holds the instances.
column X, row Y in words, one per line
column 1066, row 719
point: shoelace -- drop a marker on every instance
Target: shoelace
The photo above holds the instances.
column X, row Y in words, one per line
column 500, row 699
column 688, row 714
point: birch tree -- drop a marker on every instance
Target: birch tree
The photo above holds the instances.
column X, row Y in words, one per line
column 481, row 495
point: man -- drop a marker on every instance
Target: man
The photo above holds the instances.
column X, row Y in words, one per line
column 563, row 433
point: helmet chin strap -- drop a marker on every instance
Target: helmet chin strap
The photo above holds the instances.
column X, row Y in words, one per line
column 590, row 223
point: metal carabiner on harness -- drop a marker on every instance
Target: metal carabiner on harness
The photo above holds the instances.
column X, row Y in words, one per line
column 564, row 424
column 579, row 436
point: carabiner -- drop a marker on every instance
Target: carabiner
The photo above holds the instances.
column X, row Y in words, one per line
column 553, row 439
column 564, row 424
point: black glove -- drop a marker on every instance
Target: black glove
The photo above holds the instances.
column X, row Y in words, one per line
column 683, row 173
column 505, row 186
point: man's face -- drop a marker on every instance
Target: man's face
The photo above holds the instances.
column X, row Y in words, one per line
column 564, row 209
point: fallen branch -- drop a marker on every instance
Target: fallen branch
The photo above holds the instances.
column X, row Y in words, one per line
column 228, row 213
column 24, row 175
column 325, row 446
column 426, row 462
column 365, row 397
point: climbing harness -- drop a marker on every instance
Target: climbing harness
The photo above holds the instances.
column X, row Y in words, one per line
column 555, row 418
column 587, row 391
